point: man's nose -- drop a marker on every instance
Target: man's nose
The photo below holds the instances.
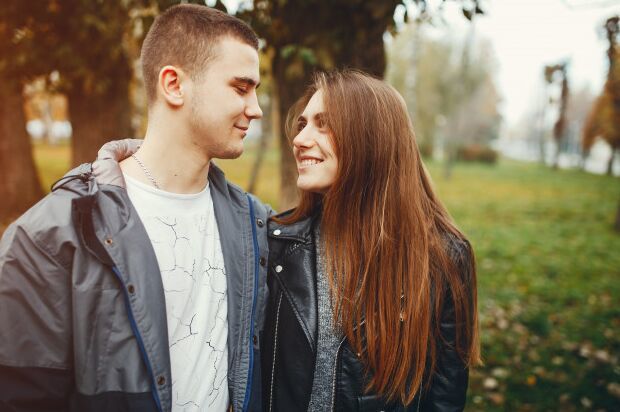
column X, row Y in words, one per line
column 253, row 110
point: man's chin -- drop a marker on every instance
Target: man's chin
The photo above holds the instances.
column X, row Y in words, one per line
column 231, row 153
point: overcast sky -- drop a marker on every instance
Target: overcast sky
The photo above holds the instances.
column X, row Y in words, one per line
column 528, row 34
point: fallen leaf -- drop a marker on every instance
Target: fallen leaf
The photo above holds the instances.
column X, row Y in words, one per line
column 497, row 398
column 557, row 360
column 602, row 356
column 490, row 383
column 564, row 398
column 500, row 372
column 587, row 403
column 614, row 389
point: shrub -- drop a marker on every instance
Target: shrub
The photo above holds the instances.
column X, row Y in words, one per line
column 477, row 153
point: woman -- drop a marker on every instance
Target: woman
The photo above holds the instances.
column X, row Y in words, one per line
column 372, row 287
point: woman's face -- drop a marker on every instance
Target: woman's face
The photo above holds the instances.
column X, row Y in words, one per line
column 316, row 161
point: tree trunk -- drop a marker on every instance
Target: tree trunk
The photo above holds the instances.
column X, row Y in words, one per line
column 20, row 187
column 556, row 156
column 98, row 118
column 617, row 224
column 610, row 164
column 263, row 145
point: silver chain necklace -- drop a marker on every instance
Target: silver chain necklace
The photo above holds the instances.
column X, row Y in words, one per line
column 146, row 171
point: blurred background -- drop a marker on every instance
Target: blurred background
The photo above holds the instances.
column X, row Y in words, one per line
column 516, row 107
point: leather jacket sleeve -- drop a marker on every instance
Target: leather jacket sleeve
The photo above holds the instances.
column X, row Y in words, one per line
column 448, row 389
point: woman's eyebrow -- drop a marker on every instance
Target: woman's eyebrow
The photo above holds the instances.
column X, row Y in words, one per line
column 319, row 117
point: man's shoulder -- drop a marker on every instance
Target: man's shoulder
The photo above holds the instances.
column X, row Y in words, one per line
column 261, row 208
column 52, row 215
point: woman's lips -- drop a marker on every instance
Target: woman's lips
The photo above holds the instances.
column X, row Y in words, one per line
column 307, row 161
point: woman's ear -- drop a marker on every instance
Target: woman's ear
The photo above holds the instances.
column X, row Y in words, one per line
column 170, row 85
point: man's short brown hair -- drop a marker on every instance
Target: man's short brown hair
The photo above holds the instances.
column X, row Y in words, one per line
column 185, row 36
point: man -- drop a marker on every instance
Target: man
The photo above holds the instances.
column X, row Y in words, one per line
column 140, row 286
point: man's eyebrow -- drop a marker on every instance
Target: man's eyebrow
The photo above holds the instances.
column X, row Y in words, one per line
column 248, row 81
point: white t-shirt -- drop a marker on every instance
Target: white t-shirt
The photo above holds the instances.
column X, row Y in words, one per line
column 184, row 234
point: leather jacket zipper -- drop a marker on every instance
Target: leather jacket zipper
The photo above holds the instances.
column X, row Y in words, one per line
column 419, row 398
column 334, row 378
column 275, row 347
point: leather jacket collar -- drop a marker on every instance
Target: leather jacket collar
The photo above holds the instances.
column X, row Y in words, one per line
column 300, row 231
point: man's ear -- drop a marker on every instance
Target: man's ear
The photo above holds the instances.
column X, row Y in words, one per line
column 171, row 85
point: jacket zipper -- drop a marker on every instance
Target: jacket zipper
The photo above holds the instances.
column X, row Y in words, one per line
column 335, row 366
column 248, row 388
column 275, row 347
column 334, row 374
column 136, row 332
column 419, row 398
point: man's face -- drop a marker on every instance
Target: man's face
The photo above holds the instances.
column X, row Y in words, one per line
column 223, row 100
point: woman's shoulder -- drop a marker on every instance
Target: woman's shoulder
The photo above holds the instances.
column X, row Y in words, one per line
column 458, row 249
column 288, row 226
column 281, row 216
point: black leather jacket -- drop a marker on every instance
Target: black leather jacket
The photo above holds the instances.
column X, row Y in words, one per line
column 290, row 339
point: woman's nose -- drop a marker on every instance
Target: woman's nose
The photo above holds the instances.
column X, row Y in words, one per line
column 303, row 139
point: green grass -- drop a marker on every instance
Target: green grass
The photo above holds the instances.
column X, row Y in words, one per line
column 548, row 273
column 549, row 290
column 52, row 161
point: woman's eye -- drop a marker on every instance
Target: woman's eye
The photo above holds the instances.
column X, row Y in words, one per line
column 241, row 90
column 300, row 126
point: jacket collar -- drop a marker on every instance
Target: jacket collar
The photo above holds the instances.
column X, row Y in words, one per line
column 300, row 231
column 106, row 168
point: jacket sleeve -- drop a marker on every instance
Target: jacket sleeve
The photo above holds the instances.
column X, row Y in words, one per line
column 448, row 389
column 35, row 332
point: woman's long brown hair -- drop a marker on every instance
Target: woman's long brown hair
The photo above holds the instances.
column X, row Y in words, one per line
column 387, row 239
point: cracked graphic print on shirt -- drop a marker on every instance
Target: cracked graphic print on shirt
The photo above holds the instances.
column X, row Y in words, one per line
column 185, row 237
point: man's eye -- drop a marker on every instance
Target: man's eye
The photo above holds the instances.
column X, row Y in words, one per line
column 241, row 90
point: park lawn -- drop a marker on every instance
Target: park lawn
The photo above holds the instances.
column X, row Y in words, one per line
column 548, row 277
column 549, row 290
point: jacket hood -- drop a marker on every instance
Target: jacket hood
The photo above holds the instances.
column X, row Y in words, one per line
column 106, row 168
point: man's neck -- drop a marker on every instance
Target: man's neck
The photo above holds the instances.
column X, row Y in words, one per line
column 174, row 165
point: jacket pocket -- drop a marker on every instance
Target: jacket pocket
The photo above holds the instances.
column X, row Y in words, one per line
column 93, row 317
column 370, row 403
column 374, row 403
